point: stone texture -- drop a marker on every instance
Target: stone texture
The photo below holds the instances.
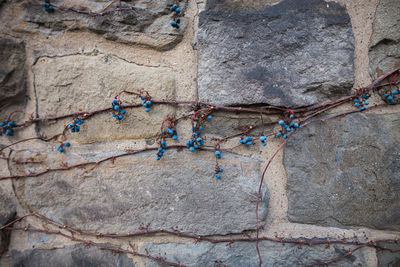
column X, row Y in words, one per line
column 384, row 53
column 298, row 52
column 178, row 191
column 245, row 254
column 346, row 172
column 225, row 124
column 148, row 25
column 12, row 71
column 70, row 256
column 7, row 213
column 387, row 258
column 90, row 82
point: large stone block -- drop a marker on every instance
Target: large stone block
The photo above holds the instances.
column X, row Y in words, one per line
column 148, row 24
column 245, row 254
column 70, row 256
column 346, row 172
column 384, row 52
column 90, row 82
column 7, row 213
column 298, row 52
column 12, row 71
column 178, row 191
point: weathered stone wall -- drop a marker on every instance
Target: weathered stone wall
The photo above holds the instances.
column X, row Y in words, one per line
column 338, row 179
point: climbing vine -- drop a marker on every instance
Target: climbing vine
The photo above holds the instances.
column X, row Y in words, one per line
column 291, row 120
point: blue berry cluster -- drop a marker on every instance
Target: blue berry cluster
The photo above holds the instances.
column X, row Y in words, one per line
column 74, row 126
column 196, row 141
column 389, row 97
column 172, row 131
column 161, row 149
column 115, row 105
column 246, row 140
column 61, row 147
column 218, row 172
column 263, row 140
column 47, row 6
column 287, row 127
column 6, row 127
column 176, row 22
column 146, row 103
column 361, row 102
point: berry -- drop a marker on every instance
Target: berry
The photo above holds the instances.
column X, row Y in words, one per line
column 178, row 10
column 209, row 117
column 395, row 92
column 9, row 132
column 192, row 149
column 264, row 143
column 173, row 7
column 218, row 154
column 285, row 136
column 263, row 138
column 201, row 128
column 12, row 124
column 281, row 122
column 363, row 108
column 278, row 134
column 221, row 170
column 366, row 102
column 60, row 149
column 218, row 176
column 147, row 110
column 173, row 23
column 178, row 20
column 67, row 144
column 175, row 137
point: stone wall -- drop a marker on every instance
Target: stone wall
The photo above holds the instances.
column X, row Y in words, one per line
column 333, row 180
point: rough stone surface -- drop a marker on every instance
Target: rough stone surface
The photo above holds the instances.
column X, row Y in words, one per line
column 71, row 256
column 387, row 258
column 298, row 52
column 7, row 213
column 90, row 82
column 384, row 53
column 245, row 254
column 12, row 70
column 148, row 25
column 179, row 190
column 346, row 172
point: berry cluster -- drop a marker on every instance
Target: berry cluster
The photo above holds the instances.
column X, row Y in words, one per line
column 116, row 105
column 146, row 103
column 287, row 127
column 246, row 140
column 47, row 6
column 196, row 141
column 172, row 131
column 218, row 171
column 74, row 126
column 161, row 149
column 263, row 140
column 176, row 22
column 61, row 147
column 6, row 127
column 361, row 102
column 389, row 97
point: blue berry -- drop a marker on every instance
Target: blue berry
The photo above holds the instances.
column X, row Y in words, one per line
column 2, row 124
column 192, row 149
column 263, row 138
column 395, row 92
column 363, row 108
column 115, row 101
column 178, row 10
column 173, row 7
column 218, row 176
column 209, row 117
column 249, row 143
column 178, row 20
column 291, row 116
column 285, row 136
column 278, row 134
column 60, row 149
column 366, row 102
column 264, row 143
column 67, row 144
column 218, row 154
column 357, row 104
column 147, row 110
column 201, row 128
column 175, row 137
column 9, row 132
column 221, row 170
column 281, row 122
column 12, row 124
column 173, row 23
